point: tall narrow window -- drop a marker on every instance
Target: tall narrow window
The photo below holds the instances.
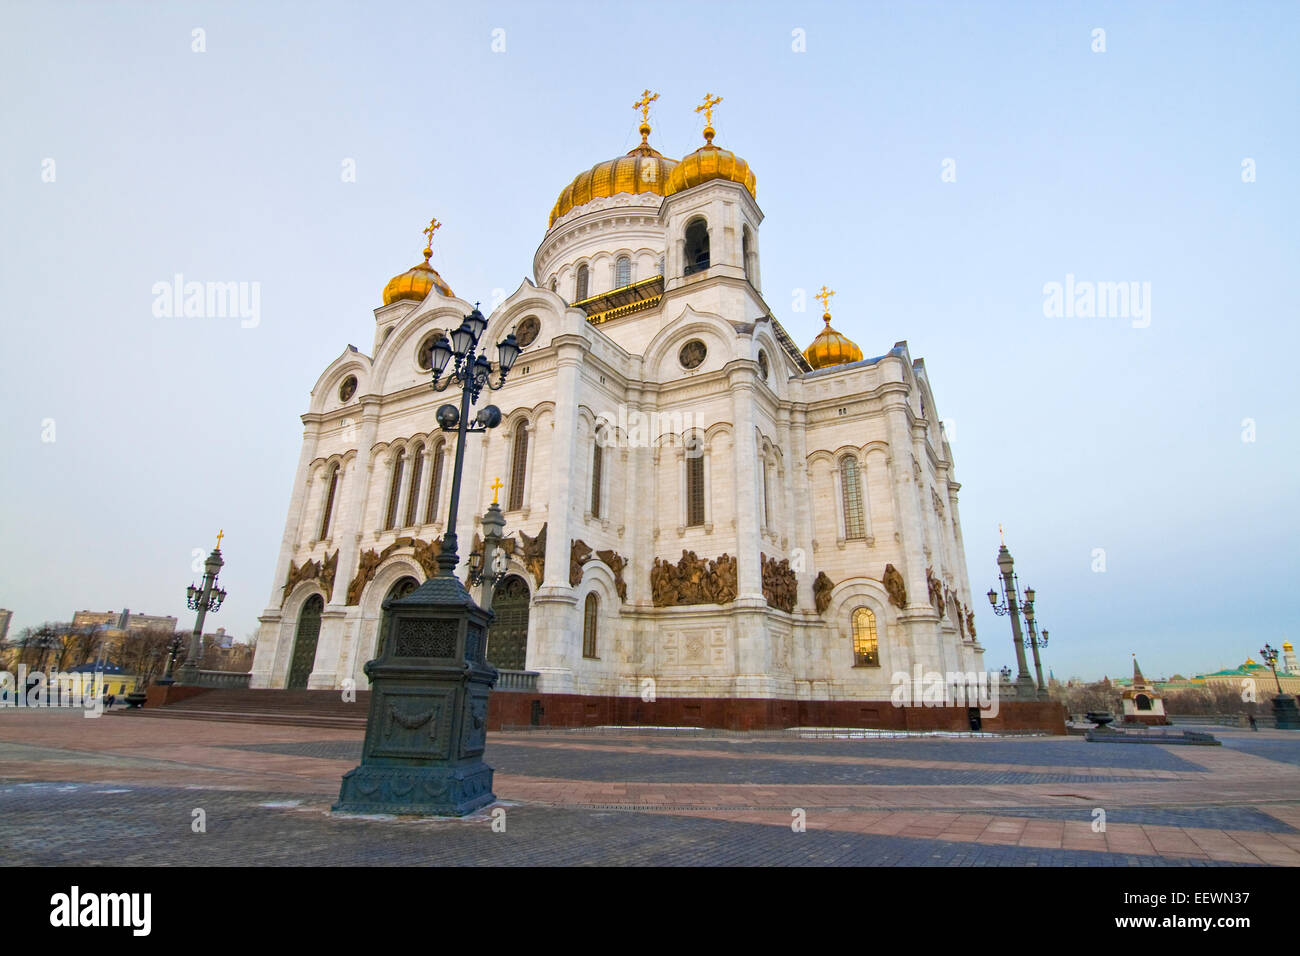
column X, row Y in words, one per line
column 767, row 508
column 694, row 486
column 851, row 493
column 435, row 484
column 395, row 491
column 329, row 503
column 580, row 290
column 866, row 649
column 589, row 627
column 413, row 499
column 622, row 272
column 518, row 468
column 744, row 252
column 597, row 468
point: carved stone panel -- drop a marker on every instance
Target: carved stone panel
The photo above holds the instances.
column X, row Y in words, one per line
column 780, row 584
column 692, row 580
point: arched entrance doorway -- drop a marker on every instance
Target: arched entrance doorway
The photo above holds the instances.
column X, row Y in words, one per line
column 304, row 643
column 399, row 590
column 508, row 636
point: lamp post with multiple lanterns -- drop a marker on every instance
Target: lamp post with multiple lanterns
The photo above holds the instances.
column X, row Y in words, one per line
column 1284, row 705
column 204, row 598
column 427, row 728
column 1010, row 607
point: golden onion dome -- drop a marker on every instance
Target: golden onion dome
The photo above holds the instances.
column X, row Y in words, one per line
column 707, row 163
column 642, row 170
column 830, row 348
column 416, row 282
column 1286, row 646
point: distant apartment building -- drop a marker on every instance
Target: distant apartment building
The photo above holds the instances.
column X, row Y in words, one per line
column 113, row 621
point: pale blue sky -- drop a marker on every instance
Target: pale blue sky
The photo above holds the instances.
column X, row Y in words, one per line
column 1074, row 433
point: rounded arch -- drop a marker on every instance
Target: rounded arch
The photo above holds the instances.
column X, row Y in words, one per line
column 302, row 657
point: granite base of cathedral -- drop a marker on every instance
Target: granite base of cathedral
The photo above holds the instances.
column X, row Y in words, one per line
column 508, row 711
column 513, row 711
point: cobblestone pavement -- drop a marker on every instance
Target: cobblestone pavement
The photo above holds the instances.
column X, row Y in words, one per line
column 124, row 789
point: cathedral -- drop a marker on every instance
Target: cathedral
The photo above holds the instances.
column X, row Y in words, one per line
column 696, row 509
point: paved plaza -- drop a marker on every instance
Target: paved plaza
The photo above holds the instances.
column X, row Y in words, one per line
column 123, row 789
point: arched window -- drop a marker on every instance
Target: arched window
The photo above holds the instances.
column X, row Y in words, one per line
column 694, row 482
column 597, row 470
column 331, row 488
column 696, row 246
column 435, row 484
column 553, row 283
column 518, row 468
column 399, row 590
column 866, row 649
column 589, row 627
column 851, row 495
column 744, row 252
column 413, row 499
column 622, row 272
column 395, row 490
column 580, row 289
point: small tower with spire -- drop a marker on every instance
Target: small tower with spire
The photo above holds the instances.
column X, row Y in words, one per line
column 1142, row 705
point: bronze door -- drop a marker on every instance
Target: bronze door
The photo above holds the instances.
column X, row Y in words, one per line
column 304, row 643
column 508, row 636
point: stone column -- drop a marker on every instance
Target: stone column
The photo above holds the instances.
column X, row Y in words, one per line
column 554, row 602
column 268, row 634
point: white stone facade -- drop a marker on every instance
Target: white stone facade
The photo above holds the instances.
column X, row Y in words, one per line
column 775, row 450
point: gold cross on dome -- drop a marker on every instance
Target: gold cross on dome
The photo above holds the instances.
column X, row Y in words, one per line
column 825, row 295
column 496, row 487
column 643, row 105
column 433, row 226
column 220, row 534
column 706, row 107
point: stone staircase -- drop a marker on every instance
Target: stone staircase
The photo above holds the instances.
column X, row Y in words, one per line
column 297, row 708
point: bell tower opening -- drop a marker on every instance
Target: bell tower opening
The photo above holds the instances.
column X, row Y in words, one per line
column 696, row 247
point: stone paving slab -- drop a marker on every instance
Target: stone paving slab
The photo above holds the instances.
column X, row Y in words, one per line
column 122, row 791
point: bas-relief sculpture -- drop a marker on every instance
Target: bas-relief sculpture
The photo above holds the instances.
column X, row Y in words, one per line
column 424, row 552
column 894, row 586
column 692, row 580
column 780, row 584
column 322, row 571
column 822, row 588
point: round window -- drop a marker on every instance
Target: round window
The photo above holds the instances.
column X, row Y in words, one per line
column 348, row 388
column 692, row 354
column 528, row 331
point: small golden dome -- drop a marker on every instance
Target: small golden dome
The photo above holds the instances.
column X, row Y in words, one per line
column 416, row 282
column 1286, row 646
column 830, row 348
column 710, row 162
column 643, row 170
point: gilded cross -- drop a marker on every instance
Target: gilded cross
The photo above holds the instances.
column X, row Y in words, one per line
column 706, row 107
column 496, row 487
column 433, row 226
column 825, row 295
column 220, row 534
column 643, row 105
column 1004, row 540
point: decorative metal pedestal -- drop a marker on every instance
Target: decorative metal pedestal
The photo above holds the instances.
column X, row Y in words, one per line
column 1284, row 709
column 427, row 727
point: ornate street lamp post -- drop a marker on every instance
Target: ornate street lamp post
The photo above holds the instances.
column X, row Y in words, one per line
column 1284, row 705
column 427, row 727
column 1025, row 689
column 205, row 598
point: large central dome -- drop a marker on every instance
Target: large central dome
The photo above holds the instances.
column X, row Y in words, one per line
column 643, row 170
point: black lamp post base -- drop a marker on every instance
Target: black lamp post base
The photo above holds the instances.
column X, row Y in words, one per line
column 428, row 791
column 1284, row 709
